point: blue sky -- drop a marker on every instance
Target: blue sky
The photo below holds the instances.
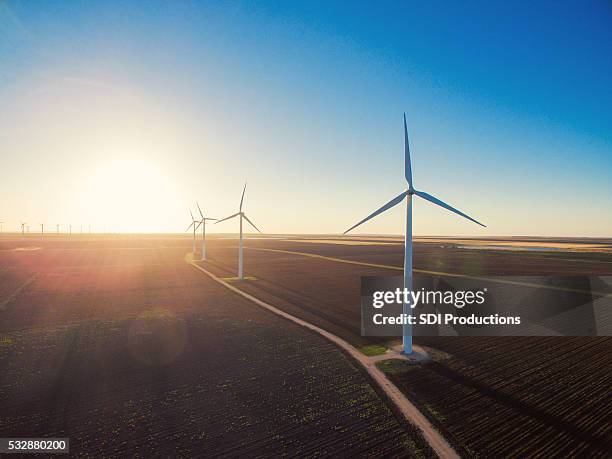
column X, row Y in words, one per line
column 509, row 112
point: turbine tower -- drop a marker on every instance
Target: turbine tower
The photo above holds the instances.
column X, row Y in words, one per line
column 193, row 224
column 57, row 228
column 42, row 229
column 242, row 215
column 23, row 224
column 203, row 223
column 411, row 191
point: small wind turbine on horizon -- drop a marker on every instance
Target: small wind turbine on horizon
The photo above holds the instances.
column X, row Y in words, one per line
column 23, row 224
column 242, row 215
column 203, row 223
column 42, row 229
column 193, row 224
column 407, row 328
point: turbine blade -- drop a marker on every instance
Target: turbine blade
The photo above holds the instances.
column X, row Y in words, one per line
column 210, row 218
column 189, row 227
column 227, row 218
column 252, row 224
column 199, row 210
column 435, row 200
column 192, row 219
column 242, row 198
column 199, row 223
column 407, row 162
column 395, row 201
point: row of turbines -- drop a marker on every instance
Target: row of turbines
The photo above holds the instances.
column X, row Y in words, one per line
column 195, row 225
column 404, row 195
column 24, row 228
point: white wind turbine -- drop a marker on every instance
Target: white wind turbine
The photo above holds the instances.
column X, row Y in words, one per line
column 242, row 215
column 193, row 224
column 23, row 225
column 203, row 223
column 407, row 328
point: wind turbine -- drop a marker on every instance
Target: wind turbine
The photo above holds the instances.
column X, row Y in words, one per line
column 23, row 224
column 193, row 224
column 203, row 223
column 407, row 328
column 57, row 228
column 242, row 215
column 42, row 229
column 1, row 227
column 70, row 229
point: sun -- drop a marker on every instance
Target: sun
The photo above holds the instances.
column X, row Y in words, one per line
column 127, row 195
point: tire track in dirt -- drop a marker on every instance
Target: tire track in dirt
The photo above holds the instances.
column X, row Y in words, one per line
column 13, row 296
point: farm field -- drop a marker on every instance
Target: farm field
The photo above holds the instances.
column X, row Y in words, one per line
column 120, row 345
column 499, row 396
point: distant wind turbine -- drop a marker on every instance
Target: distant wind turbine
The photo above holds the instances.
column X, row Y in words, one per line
column 23, row 224
column 407, row 328
column 242, row 215
column 42, row 229
column 1, row 228
column 70, row 229
column 57, row 228
column 203, row 223
column 193, row 224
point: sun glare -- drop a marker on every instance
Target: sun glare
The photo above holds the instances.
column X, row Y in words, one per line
column 126, row 195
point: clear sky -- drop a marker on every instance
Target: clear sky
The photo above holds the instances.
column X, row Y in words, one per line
column 122, row 114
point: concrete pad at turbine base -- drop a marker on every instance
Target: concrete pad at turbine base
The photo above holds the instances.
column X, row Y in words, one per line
column 419, row 355
column 237, row 279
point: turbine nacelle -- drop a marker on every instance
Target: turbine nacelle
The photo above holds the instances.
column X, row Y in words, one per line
column 203, row 218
